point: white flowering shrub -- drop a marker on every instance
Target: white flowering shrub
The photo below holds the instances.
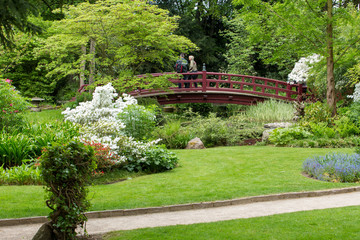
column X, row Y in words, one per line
column 300, row 72
column 104, row 121
column 356, row 94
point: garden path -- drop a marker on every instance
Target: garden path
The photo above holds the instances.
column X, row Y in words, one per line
column 257, row 209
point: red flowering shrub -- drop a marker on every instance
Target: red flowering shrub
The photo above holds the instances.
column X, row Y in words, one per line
column 105, row 158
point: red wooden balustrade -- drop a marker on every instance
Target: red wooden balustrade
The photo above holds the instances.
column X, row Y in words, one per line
column 223, row 88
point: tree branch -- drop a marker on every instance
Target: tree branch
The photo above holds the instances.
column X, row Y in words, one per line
column 292, row 26
column 346, row 49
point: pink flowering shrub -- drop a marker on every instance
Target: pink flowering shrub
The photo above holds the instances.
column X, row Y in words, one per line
column 12, row 104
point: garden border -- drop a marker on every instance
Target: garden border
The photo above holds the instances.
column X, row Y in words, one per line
column 190, row 206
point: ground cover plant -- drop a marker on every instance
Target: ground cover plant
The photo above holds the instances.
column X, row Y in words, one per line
column 203, row 175
column 336, row 223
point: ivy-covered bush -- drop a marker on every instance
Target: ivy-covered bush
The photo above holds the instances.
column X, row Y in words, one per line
column 66, row 171
column 334, row 167
column 12, row 105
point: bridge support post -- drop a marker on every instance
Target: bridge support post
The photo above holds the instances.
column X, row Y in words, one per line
column 204, row 78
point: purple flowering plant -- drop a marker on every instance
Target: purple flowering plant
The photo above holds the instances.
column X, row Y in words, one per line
column 334, row 167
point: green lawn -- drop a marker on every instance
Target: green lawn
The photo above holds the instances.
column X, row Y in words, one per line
column 337, row 223
column 203, row 175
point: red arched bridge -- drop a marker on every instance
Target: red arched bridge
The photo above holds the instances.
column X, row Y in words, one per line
column 213, row 87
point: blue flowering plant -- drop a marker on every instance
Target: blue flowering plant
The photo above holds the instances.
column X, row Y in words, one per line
column 334, row 167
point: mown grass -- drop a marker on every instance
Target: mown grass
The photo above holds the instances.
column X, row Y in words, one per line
column 203, row 175
column 337, row 223
column 44, row 116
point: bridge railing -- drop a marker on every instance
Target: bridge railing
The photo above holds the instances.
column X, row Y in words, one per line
column 231, row 83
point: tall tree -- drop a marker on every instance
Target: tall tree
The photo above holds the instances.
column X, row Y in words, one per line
column 203, row 23
column 313, row 27
column 131, row 36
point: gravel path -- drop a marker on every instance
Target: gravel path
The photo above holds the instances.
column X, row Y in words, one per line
column 103, row 225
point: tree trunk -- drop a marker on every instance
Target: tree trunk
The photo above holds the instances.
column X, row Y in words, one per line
column 82, row 66
column 330, row 93
column 92, row 62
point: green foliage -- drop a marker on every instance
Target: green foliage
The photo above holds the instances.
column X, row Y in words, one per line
column 139, row 121
column 173, row 135
column 23, row 65
column 155, row 159
column 354, row 113
column 283, row 136
column 321, row 130
column 12, row 104
column 158, row 159
column 202, row 109
column 80, row 97
column 66, row 170
column 14, row 149
column 315, row 113
column 21, row 175
column 348, row 142
column 14, row 15
column 28, row 142
column 214, row 131
column 345, row 127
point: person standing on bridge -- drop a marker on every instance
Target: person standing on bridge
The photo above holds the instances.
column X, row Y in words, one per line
column 192, row 69
column 181, row 66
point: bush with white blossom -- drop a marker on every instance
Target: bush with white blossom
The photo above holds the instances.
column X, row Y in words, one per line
column 300, row 72
column 356, row 94
column 101, row 123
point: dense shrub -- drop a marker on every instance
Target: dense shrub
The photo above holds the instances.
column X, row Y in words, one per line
column 334, row 167
column 345, row 127
column 139, row 121
column 12, row 105
column 315, row 113
column 326, row 142
column 155, row 159
column 283, row 136
column 21, row 175
column 66, row 170
column 173, row 135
